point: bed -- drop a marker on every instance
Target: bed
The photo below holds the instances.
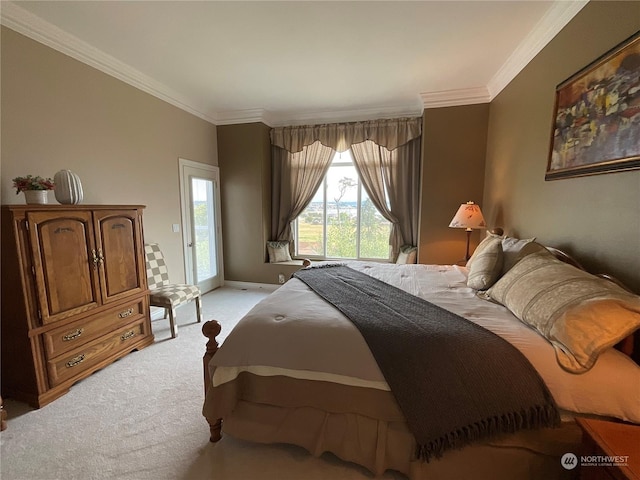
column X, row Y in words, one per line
column 295, row 370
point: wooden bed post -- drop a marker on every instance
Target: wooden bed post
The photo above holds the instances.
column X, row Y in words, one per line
column 211, row 330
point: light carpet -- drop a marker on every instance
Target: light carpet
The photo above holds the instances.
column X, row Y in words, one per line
column 140, row 418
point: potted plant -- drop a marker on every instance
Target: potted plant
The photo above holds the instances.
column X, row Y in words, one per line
column 34, row 188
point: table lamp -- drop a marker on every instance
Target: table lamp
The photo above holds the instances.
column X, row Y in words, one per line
column 468, row 216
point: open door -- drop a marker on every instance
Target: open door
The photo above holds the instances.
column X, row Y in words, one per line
column 201, row 231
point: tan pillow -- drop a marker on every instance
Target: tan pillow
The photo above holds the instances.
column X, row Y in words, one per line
column 278, row 252
column 485, row 265
column 488, row 239
column 407, row 254
column 579, row 313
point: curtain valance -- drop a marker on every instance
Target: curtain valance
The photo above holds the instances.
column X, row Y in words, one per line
column 390, row 134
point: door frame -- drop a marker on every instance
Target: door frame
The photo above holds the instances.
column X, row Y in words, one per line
column 187, row 229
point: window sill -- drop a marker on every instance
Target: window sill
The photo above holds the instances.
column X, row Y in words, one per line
column 291, row 262
column 296, row 262
column 299, row 261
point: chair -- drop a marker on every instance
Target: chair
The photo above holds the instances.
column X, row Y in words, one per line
column 164, row 294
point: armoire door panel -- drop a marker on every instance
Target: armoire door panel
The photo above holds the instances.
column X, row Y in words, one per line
column 64, row 266
column 118, row 237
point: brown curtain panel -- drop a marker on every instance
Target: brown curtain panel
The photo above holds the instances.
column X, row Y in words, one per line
column 392, row 180
column 387, row 157
column 295, row 179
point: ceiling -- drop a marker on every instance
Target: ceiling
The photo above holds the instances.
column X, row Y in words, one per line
column 294, row 62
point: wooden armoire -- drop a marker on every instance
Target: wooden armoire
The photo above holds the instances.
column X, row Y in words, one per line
column 74, row 294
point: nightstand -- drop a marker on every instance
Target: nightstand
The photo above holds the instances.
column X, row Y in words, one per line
column 609, row 439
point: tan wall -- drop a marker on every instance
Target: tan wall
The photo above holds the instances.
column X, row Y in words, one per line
column 125, row 144
column 453, row 164
column 595, row 218
column 453, row 173
column 58, row 113
column 245, row 178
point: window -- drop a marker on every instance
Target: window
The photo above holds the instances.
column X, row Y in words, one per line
column 341, row 221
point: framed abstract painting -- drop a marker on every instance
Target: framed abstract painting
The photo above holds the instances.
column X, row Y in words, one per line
column 596, row 122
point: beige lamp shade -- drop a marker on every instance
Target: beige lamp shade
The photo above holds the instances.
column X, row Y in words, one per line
column 468, row 216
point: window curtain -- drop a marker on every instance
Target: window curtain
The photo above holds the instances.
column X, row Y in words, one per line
column 295, row 179
column 392, row 180
column 387, row 157
column 340, row 136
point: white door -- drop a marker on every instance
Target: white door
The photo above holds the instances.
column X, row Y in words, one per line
column 201, row 232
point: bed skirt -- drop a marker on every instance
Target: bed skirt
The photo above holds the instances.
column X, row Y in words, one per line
column 365, row 426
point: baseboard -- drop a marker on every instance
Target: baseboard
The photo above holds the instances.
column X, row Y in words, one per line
column 270, row 287
column 157, row 313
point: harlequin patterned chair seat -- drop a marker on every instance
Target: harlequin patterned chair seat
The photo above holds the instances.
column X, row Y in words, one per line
column 164, row 294
column 173, row 295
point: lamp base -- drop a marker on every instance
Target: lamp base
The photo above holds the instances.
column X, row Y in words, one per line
column 467, row 256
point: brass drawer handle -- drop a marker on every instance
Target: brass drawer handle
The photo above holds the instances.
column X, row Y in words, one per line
column 73, row 335
column 127, row 335
column 75, row 361
column 126, row 313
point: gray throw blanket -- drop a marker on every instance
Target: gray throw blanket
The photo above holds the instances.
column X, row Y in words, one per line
column 454, row 381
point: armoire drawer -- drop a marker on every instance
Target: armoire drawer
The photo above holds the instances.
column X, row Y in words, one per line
column 63, row 339
column 85, row 357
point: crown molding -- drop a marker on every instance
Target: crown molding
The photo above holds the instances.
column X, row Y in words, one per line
column 285, row 118
column 32, row 26
column 288, row 118
column 556, row 18
column 16, row 18
column 253, row 115
column 452, row 98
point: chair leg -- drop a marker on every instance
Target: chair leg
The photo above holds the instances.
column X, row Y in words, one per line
column 198, row 309
column 172, row 323
column 166, row 311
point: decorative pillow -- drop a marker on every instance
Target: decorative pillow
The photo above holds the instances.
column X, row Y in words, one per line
column 485, row 265
column 488, row 239
column 278, row 252
column 579, row 313
column 511, row 247
column 408, row 254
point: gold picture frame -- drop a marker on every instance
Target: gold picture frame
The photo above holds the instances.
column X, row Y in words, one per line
column 596, row 120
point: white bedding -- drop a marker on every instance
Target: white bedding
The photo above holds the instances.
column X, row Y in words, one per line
column 290, row 332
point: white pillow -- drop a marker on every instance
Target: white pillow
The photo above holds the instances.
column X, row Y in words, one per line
column 511, row 247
